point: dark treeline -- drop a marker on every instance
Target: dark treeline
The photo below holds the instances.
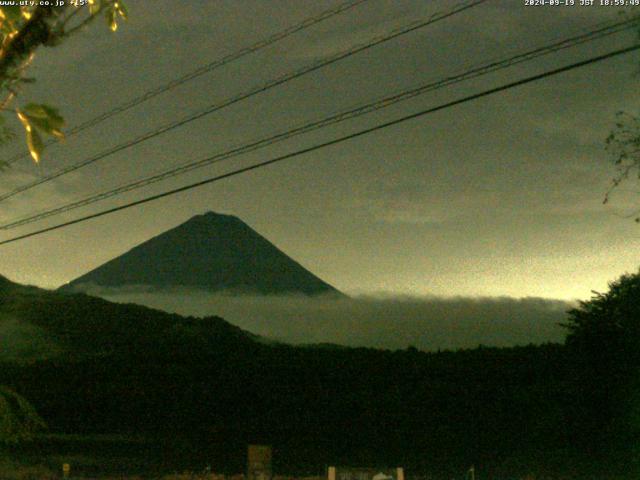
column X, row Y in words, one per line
column 203, row 389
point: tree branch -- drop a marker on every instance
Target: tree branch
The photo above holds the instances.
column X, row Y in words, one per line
column 35, row 32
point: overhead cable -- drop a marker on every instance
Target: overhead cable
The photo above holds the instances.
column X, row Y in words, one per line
column 335, row 141
column 330, row 120
column 242, row 96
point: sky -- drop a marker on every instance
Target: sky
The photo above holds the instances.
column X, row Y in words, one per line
column 498, row 197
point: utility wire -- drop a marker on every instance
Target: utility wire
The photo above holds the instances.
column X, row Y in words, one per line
column 254, row 91
column 333, row 119
column 336, row 141
column 209, row 67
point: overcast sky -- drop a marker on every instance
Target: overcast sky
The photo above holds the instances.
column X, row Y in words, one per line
column 497, row 197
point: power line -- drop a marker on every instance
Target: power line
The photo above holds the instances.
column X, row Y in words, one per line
column 254, row 91
column 209, row 67
column 336, row 141
column 333, row 119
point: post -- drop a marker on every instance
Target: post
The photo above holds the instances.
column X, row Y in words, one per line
column 331, row 473
column 259, row 462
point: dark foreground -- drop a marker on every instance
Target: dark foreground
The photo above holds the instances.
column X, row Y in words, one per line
column 176, row 394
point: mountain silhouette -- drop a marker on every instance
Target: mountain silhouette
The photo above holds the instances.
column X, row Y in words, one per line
column 38, row 324
column 212, row 252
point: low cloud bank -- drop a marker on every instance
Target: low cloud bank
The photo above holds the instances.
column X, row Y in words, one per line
column 428, row 323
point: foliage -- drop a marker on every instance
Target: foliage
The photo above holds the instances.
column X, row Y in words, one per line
column 609, row 322
column 623, row 143
column 19, row 421
column 23, row 29
column 604, row 335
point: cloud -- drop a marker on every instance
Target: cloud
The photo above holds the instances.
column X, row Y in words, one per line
column 384, row 321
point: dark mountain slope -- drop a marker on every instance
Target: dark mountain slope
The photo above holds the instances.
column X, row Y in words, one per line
column 83, row 325
column 212, row 252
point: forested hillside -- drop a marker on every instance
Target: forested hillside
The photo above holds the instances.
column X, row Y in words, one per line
column 183, row 381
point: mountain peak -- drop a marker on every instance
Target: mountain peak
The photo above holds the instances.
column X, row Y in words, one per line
column 214, row 216
column 210, row 251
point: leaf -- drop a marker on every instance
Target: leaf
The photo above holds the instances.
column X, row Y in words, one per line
column 122, row 10
column 34, row 141
column 24, row 120
column 35, row 144
column 26, row 12
column 111, row 19
column 41, row 110
column 94, row 6
column 45, row 118
column 12, row 14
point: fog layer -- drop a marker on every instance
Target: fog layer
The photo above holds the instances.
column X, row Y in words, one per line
column 428, row 323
